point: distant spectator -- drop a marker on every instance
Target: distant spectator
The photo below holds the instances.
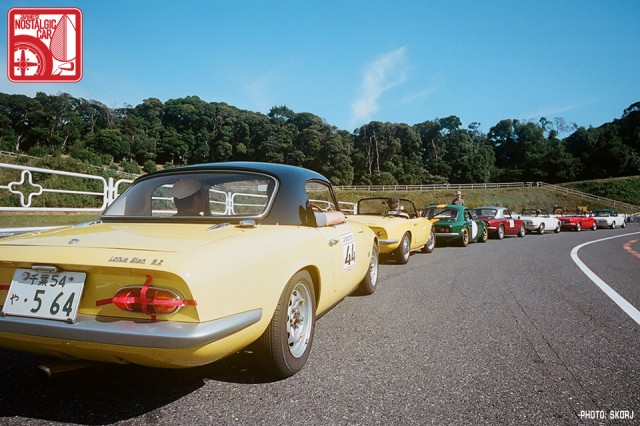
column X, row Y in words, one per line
column 458, row 199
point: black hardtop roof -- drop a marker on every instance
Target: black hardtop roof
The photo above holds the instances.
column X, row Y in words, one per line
column 290, row 205
column 280, row 171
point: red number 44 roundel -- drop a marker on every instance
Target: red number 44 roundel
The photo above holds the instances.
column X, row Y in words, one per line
column 44, row 45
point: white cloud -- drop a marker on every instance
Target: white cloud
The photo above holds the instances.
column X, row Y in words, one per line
column 553, row 111
column 387, row 71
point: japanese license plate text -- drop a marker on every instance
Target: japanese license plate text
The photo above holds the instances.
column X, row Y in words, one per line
column 44, row 294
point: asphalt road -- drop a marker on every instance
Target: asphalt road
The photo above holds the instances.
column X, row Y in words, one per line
column 507, row 332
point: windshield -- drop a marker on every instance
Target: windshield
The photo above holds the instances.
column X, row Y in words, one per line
column 485, row 212
column 379, row 206
column 196, row 195
column 442, row 213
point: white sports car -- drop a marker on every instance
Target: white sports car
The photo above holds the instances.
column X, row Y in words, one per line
column 608, row 219
column 536, row 220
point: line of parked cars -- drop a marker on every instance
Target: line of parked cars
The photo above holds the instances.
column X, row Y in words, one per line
column 193, row 264
column 456, row 223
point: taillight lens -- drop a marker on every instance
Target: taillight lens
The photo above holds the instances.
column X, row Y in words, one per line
column 148, row 300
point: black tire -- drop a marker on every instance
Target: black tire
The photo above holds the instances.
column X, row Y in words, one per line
column 522, row 231
column 613, row 225
column 578, row 227
column 624, row 224
column 557, row 230
column 464, row 238
column 485, row 235
column 284, row 347
column 431, row 243
column 370, row 281
column 595, row 226
column 541, row 229
column 500, row 233
column 403, row 251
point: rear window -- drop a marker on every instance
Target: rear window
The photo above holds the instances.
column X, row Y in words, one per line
column 485, row 212
column 442, row 213
column 197, row 195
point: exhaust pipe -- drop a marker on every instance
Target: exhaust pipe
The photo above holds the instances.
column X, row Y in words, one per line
column 59, row 367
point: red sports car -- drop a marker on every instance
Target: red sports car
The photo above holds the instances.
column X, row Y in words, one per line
column 499, row 221
column 577, row 222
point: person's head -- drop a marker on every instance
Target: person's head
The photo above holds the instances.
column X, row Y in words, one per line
column 393, row 203
column 458, row 194
column 188, row 196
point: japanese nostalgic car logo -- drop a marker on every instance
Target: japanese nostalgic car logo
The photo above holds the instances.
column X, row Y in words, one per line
column 44, row 45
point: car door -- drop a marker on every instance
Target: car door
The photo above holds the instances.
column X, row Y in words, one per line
column 348, row 256
column 510, row 223
column 340, row 240
column 471, row 225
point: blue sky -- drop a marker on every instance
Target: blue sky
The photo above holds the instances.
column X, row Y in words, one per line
column 352, row 61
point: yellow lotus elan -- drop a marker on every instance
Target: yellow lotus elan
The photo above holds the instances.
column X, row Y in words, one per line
column 399, row 227
column 188, row 266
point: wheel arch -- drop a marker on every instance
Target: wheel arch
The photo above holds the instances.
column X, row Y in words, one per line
column 315, row 279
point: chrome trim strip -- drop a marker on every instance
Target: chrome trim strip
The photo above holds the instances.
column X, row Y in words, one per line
column 127, row 332
column 447, row 234
column 387, row 242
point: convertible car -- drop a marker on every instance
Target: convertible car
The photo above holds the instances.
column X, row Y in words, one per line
column 400, row 230
column 455, row 223
column 537, row 220
column 608, row 219
column 188, row 266
column 577, row 222
column 500, row 221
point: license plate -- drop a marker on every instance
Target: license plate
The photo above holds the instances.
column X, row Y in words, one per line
column 46, row 295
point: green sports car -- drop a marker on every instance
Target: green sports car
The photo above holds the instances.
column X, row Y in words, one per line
column 456, row 224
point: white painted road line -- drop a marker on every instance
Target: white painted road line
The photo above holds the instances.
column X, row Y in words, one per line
column 627, row 307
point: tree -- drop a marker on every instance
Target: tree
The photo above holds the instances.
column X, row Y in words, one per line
column 172, row 148
column 112, row 142
column 434, row 149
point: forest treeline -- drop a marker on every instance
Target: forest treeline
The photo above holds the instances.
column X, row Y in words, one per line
column 189, row 130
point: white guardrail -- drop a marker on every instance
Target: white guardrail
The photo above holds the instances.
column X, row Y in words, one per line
column 27, row 188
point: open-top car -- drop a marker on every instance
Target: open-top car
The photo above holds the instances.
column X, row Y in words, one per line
column 396, row 222
column 188, row 266
column 453, row 223
column 606, row 218
column 500, row 221
column 577, row 222
column 540, row 221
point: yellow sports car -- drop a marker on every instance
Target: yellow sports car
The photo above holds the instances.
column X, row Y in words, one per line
column 399, row 227
column 188, row 266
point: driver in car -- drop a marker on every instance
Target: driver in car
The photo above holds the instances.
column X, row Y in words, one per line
column 395, row 208
column 190, row 197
